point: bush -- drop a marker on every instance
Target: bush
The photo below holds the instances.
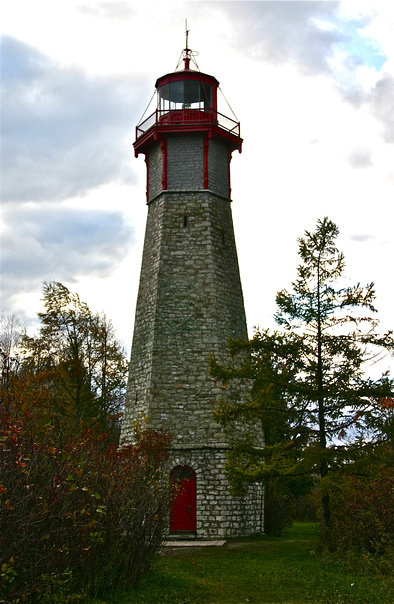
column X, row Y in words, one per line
column 362, row 520
column 86, row 516
column 286, row 499
column 307, row 507
column 278, row 507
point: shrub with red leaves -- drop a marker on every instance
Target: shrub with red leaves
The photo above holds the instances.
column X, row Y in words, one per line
column 81, row 517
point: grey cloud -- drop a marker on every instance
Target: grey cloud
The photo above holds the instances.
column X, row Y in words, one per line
column 63, row 132
column 48, row 242
column 382, row 102
column 362, row 238
column 289, row 32
column 286, row 31
column 360, row 158
column 112, row 10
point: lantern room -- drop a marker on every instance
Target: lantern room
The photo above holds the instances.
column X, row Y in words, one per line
column 187, row 90
column 186, row 97
column 187, row 101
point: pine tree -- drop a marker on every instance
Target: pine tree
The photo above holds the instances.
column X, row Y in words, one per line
column 328, row 399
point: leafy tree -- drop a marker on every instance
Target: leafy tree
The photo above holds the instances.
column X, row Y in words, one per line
column 77, row 355
column 12, row 331
column 314, row 373
column 77, row 513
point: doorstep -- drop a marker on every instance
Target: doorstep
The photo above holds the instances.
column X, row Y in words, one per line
column 194, row 543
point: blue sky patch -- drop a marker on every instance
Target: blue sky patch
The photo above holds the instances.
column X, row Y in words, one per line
column 361, row 49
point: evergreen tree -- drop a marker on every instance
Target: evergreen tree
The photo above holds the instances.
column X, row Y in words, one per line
column 271, row 366
column 315, row 373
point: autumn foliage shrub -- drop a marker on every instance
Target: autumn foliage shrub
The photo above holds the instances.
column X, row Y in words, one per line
column 362, row 520
column 81, row 517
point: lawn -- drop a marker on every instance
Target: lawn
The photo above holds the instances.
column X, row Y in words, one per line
column 256, row 570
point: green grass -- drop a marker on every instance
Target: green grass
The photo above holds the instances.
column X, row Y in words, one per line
column 256, row 570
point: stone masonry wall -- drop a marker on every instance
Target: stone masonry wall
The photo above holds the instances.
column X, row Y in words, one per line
column 189, row 303
column 185, row 162
column 218, row 172
column 155, row 160
column 219, row 513
column 139, row 382
column 185, row 165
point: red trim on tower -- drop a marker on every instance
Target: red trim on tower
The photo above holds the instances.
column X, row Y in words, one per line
column 229, row 173
column 163, row 147
column 215, row 97
column 147, row 176
column 160, row 130
column 205, row 161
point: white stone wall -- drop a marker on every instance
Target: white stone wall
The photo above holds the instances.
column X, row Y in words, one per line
column 185, row 162
column 219, row 513
column 218, row 171
column 189, row 303
column 155, row 161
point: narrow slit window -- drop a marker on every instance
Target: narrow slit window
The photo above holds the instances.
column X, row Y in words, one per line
column 185, row 221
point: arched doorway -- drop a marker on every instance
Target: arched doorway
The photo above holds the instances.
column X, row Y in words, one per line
column 183, row 506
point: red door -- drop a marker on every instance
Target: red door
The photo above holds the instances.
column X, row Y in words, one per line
column 183, row 506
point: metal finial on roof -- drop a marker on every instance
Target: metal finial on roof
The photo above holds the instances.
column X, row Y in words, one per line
column 187, row 54
column 186, row 50
column 187, row 34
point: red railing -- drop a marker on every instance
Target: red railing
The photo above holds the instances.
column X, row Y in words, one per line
column 187, row 116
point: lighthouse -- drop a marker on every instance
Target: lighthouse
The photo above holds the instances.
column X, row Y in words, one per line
column 189, row 301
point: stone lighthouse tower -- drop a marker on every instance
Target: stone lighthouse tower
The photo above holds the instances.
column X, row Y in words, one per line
column 190, row 300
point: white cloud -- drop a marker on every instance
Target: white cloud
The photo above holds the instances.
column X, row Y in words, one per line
column 308, row 82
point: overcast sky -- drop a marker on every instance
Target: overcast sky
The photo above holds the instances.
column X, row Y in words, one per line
column 312, row 84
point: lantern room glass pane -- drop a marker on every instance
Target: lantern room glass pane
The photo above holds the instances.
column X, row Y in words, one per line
column 185, row 94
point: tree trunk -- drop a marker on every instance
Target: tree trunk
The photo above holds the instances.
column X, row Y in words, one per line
column 325, row 504
column 320, row 396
